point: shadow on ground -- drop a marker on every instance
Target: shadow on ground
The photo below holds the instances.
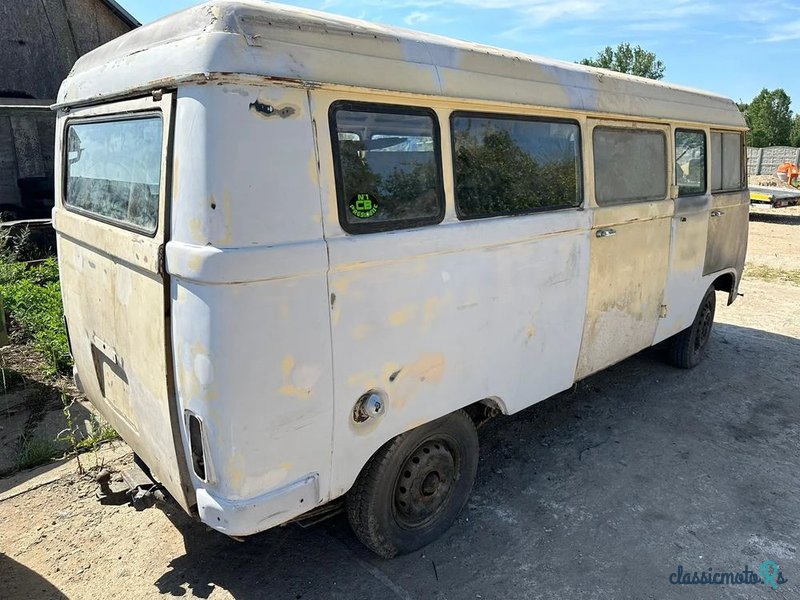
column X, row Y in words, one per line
column 776, row 217
column 23, row 584
column 600, row 492
column 32, row 423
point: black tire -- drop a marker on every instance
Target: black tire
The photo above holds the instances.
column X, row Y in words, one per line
column 411, row 491
column 687, row 348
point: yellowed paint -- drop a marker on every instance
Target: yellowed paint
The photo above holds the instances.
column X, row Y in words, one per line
column 195, row 262
column 277, row 476
column 294, row 391
column 287, row 364
column 431, row 310
column 235, row 471
column 195, row 226
column 298, row 381
column 427, row 369
column 340, row 284
column 362, row 330
column 389, row 369
column 402, row 316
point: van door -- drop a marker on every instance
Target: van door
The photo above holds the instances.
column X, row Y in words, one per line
column 111, row 221
column 728, row 218
column 629, row 242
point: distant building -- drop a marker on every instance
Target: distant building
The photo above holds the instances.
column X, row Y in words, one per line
column 40, row 40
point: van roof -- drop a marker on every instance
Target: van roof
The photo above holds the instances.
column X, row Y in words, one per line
column 255, row 38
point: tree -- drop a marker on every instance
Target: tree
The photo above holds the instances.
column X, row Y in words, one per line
column 628, row 59
column 769, row 118
column 794, row 135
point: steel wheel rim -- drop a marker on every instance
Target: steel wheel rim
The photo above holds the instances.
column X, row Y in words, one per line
column 704, row 325
column 426, row 483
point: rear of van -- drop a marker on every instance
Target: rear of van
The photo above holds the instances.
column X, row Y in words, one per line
column 112, row 224
column 194, row 267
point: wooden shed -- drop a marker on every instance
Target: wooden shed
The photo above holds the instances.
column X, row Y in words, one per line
column 40, row 40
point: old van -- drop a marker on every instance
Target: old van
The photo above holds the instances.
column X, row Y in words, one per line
column 303, row 256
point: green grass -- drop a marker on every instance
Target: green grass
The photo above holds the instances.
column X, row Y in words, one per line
column 773, row 274
column 36, row 451
column 32, row 297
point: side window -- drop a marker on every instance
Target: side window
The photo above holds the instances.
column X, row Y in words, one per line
column 731, row 161
column 505, row 165
column 388, row 166
column 630, row 165
column 716, row 162
column 690, row 162
column 726, row 161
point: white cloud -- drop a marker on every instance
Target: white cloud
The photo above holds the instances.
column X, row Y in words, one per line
column 785, row 32
column 522, row 20
column 416, row 17
column 542, row 13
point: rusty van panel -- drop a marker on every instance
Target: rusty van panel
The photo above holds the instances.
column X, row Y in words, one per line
column 626, row 286
column 728, row 222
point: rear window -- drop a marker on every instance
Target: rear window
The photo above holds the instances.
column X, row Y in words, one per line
column 388, row 173
column 726, row 162
column 113, row 171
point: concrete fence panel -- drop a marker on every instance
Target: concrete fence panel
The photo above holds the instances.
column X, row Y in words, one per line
column 765, row 161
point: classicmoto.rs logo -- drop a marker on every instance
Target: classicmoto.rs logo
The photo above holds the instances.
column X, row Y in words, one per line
column 768, row 573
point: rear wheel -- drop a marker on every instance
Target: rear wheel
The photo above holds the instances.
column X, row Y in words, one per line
column 413, row 488
column 687, row 348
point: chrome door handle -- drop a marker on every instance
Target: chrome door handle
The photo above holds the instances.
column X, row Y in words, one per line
column 717, row 213
column 606, row 232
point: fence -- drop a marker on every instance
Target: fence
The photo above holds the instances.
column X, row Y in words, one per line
column 765, row 161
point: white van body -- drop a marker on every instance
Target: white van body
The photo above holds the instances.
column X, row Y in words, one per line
column 249, row 307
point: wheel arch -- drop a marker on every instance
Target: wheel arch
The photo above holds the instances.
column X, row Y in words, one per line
column 727, row 282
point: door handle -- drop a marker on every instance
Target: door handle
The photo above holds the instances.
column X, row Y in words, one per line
column 606, row 232
column 717, row 213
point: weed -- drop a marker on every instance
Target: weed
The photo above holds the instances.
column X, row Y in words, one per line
column 35, row 451
column 773, row 274
column 97, row 432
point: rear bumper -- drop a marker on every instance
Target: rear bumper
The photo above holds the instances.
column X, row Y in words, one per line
column 246, row 517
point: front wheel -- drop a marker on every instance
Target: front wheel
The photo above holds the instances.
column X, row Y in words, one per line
column 686, row 349
column 413, row 488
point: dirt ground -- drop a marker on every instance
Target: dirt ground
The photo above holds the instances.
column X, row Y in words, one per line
column 599, row 492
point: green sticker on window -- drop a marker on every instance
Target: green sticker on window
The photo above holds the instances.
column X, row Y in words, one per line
column 363, row 206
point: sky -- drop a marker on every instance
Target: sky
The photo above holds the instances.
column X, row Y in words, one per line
column 730, row 47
